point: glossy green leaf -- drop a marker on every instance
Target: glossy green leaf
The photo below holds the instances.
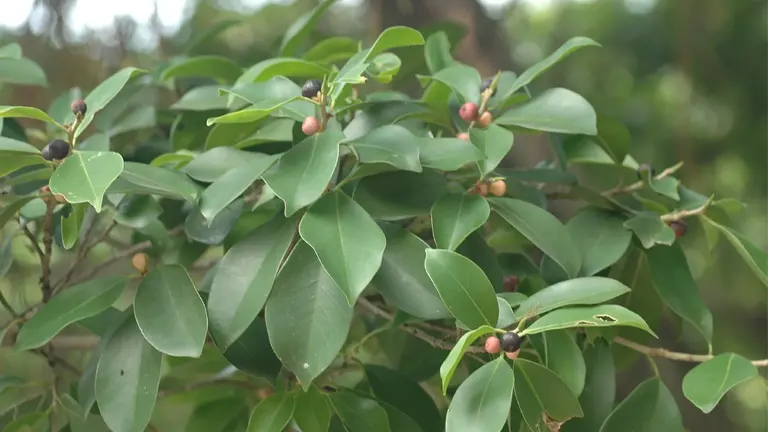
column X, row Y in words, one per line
column 201, row 98
column 464, row 288
column 284, row 66
column 71, row 305
column 141, row 118
column 273, row 413
column 170, row 312
column 448, row 154
column 127, row 379
column 756, row 259
column 142, row 178
column 97, row 142
column 252, row 353
column 384, row 67
column 613, row 137
column 6, row 254
column 301, row 28
column 650, row 230
column 562, row 356
column 539, row 391
column 221, row 415
column 21, row 71
column 437, row 52
column 70, row 225
column 462, row 79
column 30, row 422
column 393, row 145
column 28, row 112
column 347, row 241
column 599, row 389
column 543, row 229
column 312, row 412
column 303, row 172
column 359, row 414
column 677, row 288
column 399, row 195
column 217, row 67
column 11, row 50
column 495, row 142
column 84, row 176
column 567, row 48
column 308, row 317
column 650, row 407
column 596, row 316
column 332, row 50
column 244, row 279
column 11, row 147
column 555, row 110
column 402, row 279
column 456, row 216
column 708, row 382
column 252, row 114
column 601, row 238
column 448, row 368
column 209, row 34
column 404, row 394
column 103, row 94
column 482, row 401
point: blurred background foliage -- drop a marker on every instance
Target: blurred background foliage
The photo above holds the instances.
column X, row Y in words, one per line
column 687, row 77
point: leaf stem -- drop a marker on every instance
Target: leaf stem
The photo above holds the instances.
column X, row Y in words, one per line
column 682, row 214
column 673, row 355
column 640, row 184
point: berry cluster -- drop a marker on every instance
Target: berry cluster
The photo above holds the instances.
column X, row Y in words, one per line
column 495, row 187
column 312, row 89
column 509, row 342
column 58, row 149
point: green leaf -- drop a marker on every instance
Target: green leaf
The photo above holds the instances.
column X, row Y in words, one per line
column 252, row 353
column 214, row 163
column 312, row 412
column 252, row 114
column 11, row 50
column 6, row 255
column 359, row 414
column 437, row 52
column 755, row 258
column 650, row 407
column 464, row 288
column 677, row 288
column 303, row 172
column 456, row 216
column 127, row 379
column 209, row 33
column 596, row 316
column 543, row 229
column 220, row 415
column 347, row 241
column 495, row 142
column 404, row 394
column 599, row 389
column 202, row 98
column 170, row 312
column 21, row 71
column 273, row 413
column 613, row 137
column 230, row 186
column 332, row 50
column 448, row 368
column 448, row 154
column 84, row 176
column 217, row 67
column 601, row 238
column 555, row 110
column 562, row 356
column 103, row 94
column 390, row 144
column 462, row 79
column 567, row 48
column 651, row 230
column 384, row 67
column 69, row 306
column 279, row 95
column 70, row 225
column 147, row 179
column 399, row 195
column 244, row 279
column 95, row 142
column 141, row 118
column 308, row 317
column 284, row 66
column 708, row 382
column 402, row 279
column 30, row 422
column 482, row 401
column 301, row 28
column 28, row 112
column 538, row 391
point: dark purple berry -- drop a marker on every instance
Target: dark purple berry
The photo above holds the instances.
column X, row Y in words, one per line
column 58, row 149
column 485, row 85
column 47, row 153
column 311, row 88
column 79, row 108
column 510, row 342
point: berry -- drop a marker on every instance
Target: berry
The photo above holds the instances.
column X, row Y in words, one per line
column 139, row 262
column 498, row 188
column 643, row 168
column 511, row 282
column 310, row 126
column 481, row 189
column 468, row 112
column 512, row 355
column 679, row 227
column 79, row 108
column 311, row 88
column 59, row 198
column 47, row 153
column 58, row 149
column 463, row 136
column 492, row 345
column 485, row 85
column 485, row 119
column 510, row 342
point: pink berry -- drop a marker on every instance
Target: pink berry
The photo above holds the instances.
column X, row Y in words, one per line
column 463, row 136
column 512, row 355
column 468, row 112
column 492, row 345
column 310, row 126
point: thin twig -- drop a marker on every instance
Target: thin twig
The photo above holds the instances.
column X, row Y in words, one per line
column 82, row 253
column 33, row 240
column 640, row 184
column 54, row 360
column 47, row 251
column 682, row 214
column 8, row 306
column 211, row 383
column 138, row 247
column 672, row 355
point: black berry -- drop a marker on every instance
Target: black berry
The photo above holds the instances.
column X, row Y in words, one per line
column 47, row 153
column 79, row 108
column 486, row 84
column 311, row 88
column 511, row 341
column 643, row 168
column 58, row 149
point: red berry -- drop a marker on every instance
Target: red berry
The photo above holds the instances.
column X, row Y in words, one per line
column 485, row 119
column 310, row 126
column 511, row 282
column 468, row 111
column 492, row 345
column 481, row 189
column 463, row 136
column 679, row 227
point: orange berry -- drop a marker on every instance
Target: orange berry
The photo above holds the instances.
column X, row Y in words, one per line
column 463, row 136
column 492, row 345
column 498, row 188
column 468, row 112
column 139, row 262
column 482, row 189
column 512, row 355
column 60, row 198
column 310, row 126
column 485, row 119
column 511, row 283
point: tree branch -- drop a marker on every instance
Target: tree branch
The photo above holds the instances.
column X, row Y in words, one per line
column 640, row 184
column 8, row 307
column 82, row 253
column 33, row 240
column 138, row 247
column 47, row 251
column 672, row 355
column 682, row 214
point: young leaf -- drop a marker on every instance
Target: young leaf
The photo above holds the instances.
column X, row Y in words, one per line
column 301, row 28
column 390, row 144
column 28, row 112
column 534, row 71
column 127, row 379
column 539, row 391
column 147, row 179
column 244, row 279
column 70, row 225
column 451, row 362
column 407, row 396
column 677, row 288
column 170, row 312
column 542, row 229
column 482, row 401
column 220, row 68
column 755, row 258
column 599, row 389
column 555, row 110
column 649, row 407
column 359, row 414
column 708, row 382
column 581, row 291
column 596, row 316
column 347, row 241
column 71, row 305
column 495, row 142
column 85, row 176
column 464, row 288
column 103, row 94
column 562, row 356
column 303, row 172
column 273, row 413
column 312, row 412
column 308, row 317
column 456, row 216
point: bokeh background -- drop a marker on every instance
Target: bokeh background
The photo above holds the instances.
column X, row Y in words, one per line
column 688, row 78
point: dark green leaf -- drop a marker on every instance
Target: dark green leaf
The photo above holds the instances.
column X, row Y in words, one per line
column 448, row 154
column 562, row 355
column 456, row 216
column 538, row 391
column 708, row 382
column 601, row 238
column 390, row 144
column 399, row 195
column 595, row 316
column 230, row 186
column 287, row 67
column 252, row 353
column 359, row 414
column 649, row 407
column 448, row 368
column 70, row 225
column 85, row 176
column 581, row 291
column 211, row 165
column 213, row 232
column 495, row 142
column 103, row 94
column 651, row 230
column 301, row 28
column 567, row 48
column 312, row 412
column 599, row 389
column 31, row 422
column 556, row 110
column 28, row 112
column 462, row 79
column 482, row 401
column 437, row 52
column 218, row 67
column 273, row 413
column 752, row 255
column 405, row 395
column 218, row 416
column 147, row 179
